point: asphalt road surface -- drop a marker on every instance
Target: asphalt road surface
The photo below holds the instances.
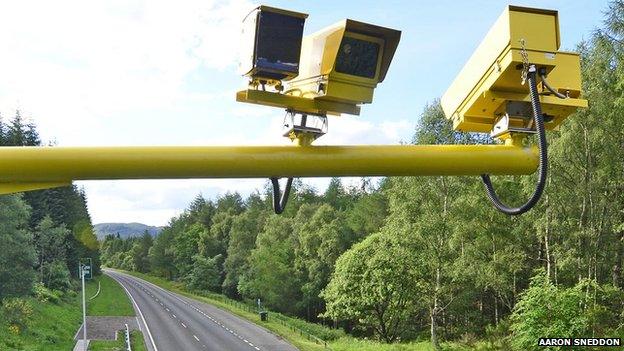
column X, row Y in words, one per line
column 172, row 322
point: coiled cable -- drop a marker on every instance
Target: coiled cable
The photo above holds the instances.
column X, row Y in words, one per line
column 543, row 156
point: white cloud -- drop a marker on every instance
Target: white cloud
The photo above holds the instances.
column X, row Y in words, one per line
column 118, row 72
column 74, row 64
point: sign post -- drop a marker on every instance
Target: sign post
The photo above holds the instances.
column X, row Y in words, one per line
column 84, row 269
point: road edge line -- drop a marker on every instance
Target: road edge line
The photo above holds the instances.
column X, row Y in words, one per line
column 141, row 314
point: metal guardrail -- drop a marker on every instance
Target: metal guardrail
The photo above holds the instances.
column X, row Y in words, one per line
column 128, row 346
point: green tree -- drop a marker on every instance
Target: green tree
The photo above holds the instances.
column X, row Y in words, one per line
column 18, row 256
column 243, row 233
column 205, row 274
column 140, row 252
column 323, row 237
column 376, row 284
column 547, row 310
column 51, row 244
column 161, row 255
column 367, row 214
column 272, row 276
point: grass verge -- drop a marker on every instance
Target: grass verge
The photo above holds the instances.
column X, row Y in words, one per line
column 112, row 300
column 53, row 324
column 136, row 341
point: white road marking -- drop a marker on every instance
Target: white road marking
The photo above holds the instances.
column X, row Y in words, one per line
column 196, row 338
column 194, row 307
column 140, row 314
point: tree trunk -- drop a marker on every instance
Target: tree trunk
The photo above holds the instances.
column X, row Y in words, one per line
column 434, row 336
column 616, row 272
column 547, row 248
column 434, row 314
column 495, row 311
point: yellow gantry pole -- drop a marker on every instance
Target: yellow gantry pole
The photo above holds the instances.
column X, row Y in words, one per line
column 29, row 168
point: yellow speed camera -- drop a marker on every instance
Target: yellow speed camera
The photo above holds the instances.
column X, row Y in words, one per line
column 490, row 88
column 271, row 41
column 332, row 71
column 344, row 62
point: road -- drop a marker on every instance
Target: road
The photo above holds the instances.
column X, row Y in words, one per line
column 172, row 322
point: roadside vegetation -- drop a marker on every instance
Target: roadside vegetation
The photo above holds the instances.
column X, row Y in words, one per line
column 136, row 340
column 47, row 321
column 111, row 301
column 42, row 236
column 427, row 259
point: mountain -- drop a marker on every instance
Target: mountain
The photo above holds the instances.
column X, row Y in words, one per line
column 125, row 230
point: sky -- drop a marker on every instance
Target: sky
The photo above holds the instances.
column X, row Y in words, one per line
column 132, row 72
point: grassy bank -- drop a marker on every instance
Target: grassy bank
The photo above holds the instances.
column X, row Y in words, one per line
column 293, row 329
column 51, row 325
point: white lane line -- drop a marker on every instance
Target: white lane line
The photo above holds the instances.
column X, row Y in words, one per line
column 196, row 338
column 194, row 307
column 140, row 314
column 174, row 316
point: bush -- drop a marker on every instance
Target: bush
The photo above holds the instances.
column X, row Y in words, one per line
column 44, row 294
column 546, row 310
column 57, row 276
column 17, row 313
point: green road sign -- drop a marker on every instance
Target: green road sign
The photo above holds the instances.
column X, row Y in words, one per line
column 86, row 267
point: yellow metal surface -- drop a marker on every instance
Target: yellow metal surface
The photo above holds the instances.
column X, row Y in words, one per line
column 57, row 166
column 495, row 68
column 319, row 88
column 9, row 188
column 319, row 51
column 298, row 103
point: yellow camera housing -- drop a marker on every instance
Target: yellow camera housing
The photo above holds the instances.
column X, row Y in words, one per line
column 490, row 82
column 272, row 44
column 344, row 62
column 339, row 69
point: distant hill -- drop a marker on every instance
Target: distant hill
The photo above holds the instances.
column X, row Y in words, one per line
column 125, row 230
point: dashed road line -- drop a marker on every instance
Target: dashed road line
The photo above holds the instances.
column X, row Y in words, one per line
column 196, row 309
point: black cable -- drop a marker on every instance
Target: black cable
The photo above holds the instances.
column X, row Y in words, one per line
column 280, row 200
column 542, row 74
column 543, row 156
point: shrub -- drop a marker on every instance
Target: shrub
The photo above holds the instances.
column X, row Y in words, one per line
column 17, row 313
column 44, row 294
column 546, row 310
column 57, row 276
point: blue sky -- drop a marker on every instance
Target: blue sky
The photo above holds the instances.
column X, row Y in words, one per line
column 159, row 73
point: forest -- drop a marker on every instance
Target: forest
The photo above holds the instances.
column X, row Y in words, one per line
column 411, row 258
column 43, row 234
